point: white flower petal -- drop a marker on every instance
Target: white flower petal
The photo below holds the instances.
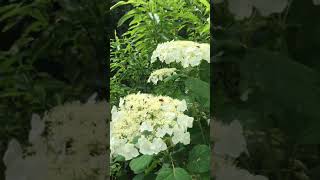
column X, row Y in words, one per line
column 146, row 126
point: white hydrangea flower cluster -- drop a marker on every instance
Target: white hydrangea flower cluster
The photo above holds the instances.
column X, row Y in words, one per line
column 66, row 144
column 229, row 141
column 160, row 74
column 143, row 122
column 244, row 8
column 316, row 2
column 229, row 171
column 188, row 53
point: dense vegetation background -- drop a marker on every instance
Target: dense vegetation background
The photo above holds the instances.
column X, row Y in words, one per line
column 51, row 52
column 266, row 74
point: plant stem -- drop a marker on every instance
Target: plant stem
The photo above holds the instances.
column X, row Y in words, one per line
column 199, row 124
column 172, row 164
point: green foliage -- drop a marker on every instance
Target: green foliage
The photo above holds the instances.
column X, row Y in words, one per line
column 158, row 21
column 301, row 80
column 138, row 165
column 173, row 174
column 266, row 75
column 57, row 55
column 130, row 53
column 144, row 177
column 129, row 68
column 200, row 90
column 199, row 159
column 264, row 71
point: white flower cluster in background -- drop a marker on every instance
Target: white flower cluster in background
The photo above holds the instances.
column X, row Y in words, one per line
column 188, row 53
column 244, row 8
column 229, row 141
column 143, row 122
column 229, row 171
column 316, row 2
column 66, row 144
column 160, row 74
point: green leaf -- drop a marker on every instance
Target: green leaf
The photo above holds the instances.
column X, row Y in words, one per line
column 12, row 94
column 205, row 176
column 38, row 15
column 34, row 27
column 17, row 11
column 200, row 89
column 270, row 75
column 9, row 25
column 119, row 158
column 7, row 8
column 125, row 17
column 144, row 177
column 190, row 16
column 174, row 77
column 206, row 4
column 205, row 71
column 138, row 177
column 173, row 174
column 206, row 29
column 139, row 164
column 199, row 159
column 121, row 3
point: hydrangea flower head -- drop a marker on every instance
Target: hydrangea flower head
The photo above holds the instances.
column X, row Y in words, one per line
column 160, row 74
column 188, row 53
column 145, row 121
column 65, row 144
